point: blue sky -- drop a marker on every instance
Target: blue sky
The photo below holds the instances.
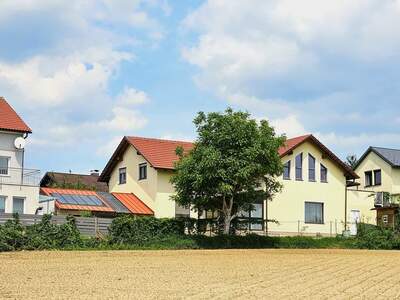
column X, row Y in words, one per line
column 85, row 73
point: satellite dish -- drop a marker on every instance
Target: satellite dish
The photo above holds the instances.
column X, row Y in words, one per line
column 19, row 143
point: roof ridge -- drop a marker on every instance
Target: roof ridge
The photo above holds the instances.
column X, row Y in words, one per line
column 64, row 173
column 158, row 139
column 374, row 147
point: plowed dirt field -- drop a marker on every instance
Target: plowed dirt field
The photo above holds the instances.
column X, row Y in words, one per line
column 222, row 274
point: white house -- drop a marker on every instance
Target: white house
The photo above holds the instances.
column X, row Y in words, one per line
column 19, row 186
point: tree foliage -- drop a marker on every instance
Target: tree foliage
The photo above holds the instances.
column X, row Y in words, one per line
column 352, row 160
column 233, row 164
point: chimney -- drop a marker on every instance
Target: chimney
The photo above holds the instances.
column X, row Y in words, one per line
column 94, row 172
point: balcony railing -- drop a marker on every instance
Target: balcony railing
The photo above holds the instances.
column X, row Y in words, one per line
column 18, row 176
column 383, row 199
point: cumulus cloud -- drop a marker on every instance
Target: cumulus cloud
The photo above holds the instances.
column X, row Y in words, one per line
column 324, row 62
column 59, row 67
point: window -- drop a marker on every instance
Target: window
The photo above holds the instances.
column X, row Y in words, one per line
column 324, row 173
column 299, row 167
column 4, row 161
column 286, row 170
column 311, row 168
column 377, row 177
column 122, row 175
column 2, row 204
column 385, row 219
column 143, row 171
column 253, row 219
column 368, row 178
column 314, row 213
column 18, row 205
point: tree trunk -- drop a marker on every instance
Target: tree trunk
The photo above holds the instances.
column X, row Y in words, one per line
column 227, row 210
column 227, row 223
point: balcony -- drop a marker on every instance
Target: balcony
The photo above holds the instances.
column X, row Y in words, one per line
column 17, row 176
column 383, row 199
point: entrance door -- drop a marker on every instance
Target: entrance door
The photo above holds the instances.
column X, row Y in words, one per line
column 355, row 218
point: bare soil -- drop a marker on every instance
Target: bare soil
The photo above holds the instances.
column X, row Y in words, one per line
column 225, row 274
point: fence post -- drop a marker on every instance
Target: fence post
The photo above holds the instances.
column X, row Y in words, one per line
column 335, row 226
column 95, row 226
column 298, row 227
column 330, row 228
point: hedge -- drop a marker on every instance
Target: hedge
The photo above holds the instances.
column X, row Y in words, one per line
column 149, row 233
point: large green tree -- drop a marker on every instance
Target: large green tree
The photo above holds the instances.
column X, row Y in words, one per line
column 234, row 163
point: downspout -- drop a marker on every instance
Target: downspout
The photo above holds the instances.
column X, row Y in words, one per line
column 25, row 135
column 345, row 207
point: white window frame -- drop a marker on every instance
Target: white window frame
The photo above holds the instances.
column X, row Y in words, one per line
column 5, row 202
column 120, row 173
column 24, row 203
column 8, row 165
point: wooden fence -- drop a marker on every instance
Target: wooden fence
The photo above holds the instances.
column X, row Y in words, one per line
column 87, row 226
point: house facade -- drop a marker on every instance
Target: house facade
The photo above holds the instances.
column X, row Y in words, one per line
column 312, row 201
column 19, row 186
column 144, row 167
column 314, row 198
column 379, row 172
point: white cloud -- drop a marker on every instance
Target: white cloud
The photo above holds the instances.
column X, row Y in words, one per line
column 309, row 65
column 65, row 84
column 290, row 126
column 131, row 96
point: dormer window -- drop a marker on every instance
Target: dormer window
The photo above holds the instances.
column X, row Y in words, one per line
column 143, row 171
column 299, row 167
column 311, row 168
column 4, row 165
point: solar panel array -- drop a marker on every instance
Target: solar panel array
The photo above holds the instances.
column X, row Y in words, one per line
column 88, row 200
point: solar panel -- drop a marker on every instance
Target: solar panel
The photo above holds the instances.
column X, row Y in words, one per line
column 113, row 202
column 87, row 200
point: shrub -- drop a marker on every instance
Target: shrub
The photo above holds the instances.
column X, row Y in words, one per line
column 140, row 230
column 44, row 235
column 374, row 237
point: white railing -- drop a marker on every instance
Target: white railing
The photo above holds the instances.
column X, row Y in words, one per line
column 18, row 176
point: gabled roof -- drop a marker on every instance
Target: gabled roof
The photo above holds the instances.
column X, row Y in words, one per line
column 391, row 156
column 87, row 181
column 293, row 143
column 10, row 120
column 159, row 153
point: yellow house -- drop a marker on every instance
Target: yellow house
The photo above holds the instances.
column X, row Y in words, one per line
column 143, row 166
column 313, row 199
column 379, row 172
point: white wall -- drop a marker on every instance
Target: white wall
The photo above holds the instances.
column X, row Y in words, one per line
column 10, row 184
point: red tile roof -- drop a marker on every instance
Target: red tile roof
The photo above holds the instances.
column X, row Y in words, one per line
column 159, row 153
column 290, row 144
column 133, row 203
column 59, row 205
column 10, row 120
